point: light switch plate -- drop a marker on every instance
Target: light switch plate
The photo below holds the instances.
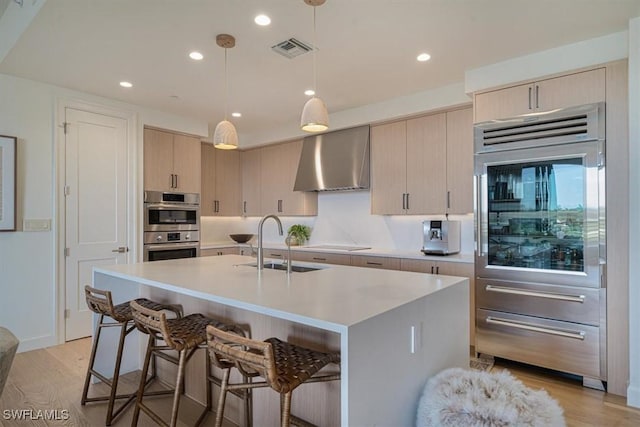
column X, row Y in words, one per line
column 36, row 225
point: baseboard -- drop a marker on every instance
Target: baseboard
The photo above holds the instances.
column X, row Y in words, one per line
column 37, row 343
column 633, row 395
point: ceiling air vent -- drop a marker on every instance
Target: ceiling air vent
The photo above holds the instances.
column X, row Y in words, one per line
column 291, row 48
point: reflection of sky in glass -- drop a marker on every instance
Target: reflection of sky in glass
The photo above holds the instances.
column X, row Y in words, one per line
column 569, row 185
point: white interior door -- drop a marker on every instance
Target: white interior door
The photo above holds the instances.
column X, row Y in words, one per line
column 96, row 206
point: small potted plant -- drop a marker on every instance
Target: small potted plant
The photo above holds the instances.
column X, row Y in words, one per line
column 298, row 234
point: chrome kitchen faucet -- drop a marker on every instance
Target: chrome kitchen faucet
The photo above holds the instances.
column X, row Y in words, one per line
column 260, row 260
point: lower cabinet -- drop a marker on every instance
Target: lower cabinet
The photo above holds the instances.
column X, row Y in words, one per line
column 221, row 251
column 450, row 269
column 322, row 257
column 375, row 262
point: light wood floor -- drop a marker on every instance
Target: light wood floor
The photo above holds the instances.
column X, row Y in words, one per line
column 52, row 378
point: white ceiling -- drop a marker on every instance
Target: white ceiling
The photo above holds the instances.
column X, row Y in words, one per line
column 367, row 49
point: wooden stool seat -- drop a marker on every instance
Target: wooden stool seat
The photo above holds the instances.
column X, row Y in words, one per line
column 282, row 365
column 295, row 365
column 101, row 302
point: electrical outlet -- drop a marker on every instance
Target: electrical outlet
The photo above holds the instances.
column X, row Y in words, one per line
column 36, row 225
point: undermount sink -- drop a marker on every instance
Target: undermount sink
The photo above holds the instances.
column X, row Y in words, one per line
column 281, row 266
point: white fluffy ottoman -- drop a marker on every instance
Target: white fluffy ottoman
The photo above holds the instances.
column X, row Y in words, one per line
column 460, row 397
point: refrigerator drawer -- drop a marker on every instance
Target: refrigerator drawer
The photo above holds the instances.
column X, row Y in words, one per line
column 568, row 303
column 562, row 346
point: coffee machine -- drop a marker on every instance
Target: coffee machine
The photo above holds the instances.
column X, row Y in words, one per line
column 441, row 237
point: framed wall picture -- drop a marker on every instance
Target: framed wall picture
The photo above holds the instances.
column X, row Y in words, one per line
column 7, row 183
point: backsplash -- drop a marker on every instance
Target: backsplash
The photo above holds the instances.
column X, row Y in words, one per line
column 344, row 218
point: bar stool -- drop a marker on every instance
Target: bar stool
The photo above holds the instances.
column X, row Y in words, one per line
column 282, row 365
column 100, row 302
column 184, row 335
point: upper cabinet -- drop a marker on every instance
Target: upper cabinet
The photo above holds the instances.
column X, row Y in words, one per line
column 423, row 165
column 278, row 168
column 171, row 161
column 221, row 182
column 251, row 161
column 584, row 87
column 460, row 161
column 388, row 168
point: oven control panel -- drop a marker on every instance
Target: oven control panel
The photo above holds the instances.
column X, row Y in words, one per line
column 171, row 236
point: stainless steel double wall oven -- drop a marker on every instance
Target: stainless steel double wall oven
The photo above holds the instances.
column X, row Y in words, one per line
column 171, row 225
column 540, row 240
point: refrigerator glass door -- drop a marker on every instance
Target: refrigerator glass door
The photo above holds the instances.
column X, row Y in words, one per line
column 540, row 214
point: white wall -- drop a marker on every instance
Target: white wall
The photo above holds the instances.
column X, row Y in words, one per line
column 27, row 259
column 633, row 391
column 569, row 57
column 344, row 219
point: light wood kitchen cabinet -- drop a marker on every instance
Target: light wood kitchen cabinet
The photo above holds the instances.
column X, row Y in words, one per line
column 449, row 269
column 423, row 165
column 386, row 263
column 388, row 168
column 220, row 251
column 459, row 197
column 279, row 165
column 251, row 177
column 322, row 257
column 408, row 166
column 427, row 164
column 221, row 182
column 276, row 253
column 584, row 87
column 171, row 161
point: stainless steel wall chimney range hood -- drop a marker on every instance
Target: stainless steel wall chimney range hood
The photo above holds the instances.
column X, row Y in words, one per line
column 335, row 161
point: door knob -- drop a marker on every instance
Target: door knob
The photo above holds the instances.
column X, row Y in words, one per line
column 121, row 250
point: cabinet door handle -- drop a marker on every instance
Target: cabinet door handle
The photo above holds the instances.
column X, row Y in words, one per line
column 537, row 96
column 448, row 199
column 579, row 335
column 279, row 205
column 244, row 206
column 407, row 201
column 437, row 269
column 529, row 97
column 374, row 263
column 432, row 269
column 315, row 258
column 404, row 201
column 176, row 186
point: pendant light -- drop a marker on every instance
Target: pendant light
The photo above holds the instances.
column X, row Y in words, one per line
column 315, row 117
column 225, row 136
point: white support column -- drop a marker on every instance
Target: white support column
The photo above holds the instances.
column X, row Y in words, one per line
column 633, row 391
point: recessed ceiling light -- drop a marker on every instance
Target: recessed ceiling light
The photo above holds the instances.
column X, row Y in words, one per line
column 262, row 20
column 309, row 92
column 126, row 84
column 196, row 56
column 236, row 114
column 423, row 57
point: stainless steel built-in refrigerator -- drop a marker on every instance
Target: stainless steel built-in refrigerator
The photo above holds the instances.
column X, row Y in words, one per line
column 540, row 240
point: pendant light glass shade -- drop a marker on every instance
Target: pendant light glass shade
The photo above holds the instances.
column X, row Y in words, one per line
column 225, row 136
column 315, row 117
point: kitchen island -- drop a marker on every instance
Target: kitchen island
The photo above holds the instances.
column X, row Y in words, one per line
column 394, row 329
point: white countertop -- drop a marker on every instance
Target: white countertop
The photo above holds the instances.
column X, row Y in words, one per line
column 332, row 298
column 466, row 258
